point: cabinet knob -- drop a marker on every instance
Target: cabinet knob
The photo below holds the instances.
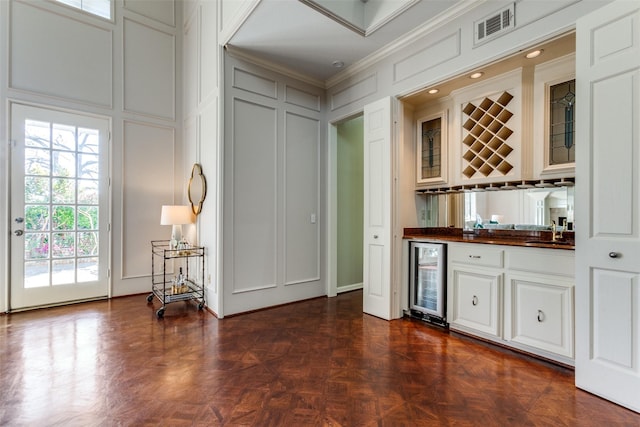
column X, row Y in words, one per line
column 375, row 236
column 474, row 300
column 614, row 255
column 540, row 316
column 475, row 256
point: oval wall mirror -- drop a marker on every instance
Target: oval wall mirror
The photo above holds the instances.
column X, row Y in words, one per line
column 197, row 189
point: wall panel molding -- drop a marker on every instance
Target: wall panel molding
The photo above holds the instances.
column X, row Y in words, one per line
column 147, row 183
column 159, row 11
column 434, row 54
column 254, row 83
column 45, row 59
column 148, row 52
column 361, row 89
column 301, row 198
column 301, row 98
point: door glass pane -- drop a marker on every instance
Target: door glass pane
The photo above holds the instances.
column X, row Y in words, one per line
column 64, row 137
column 87, row 269
column 87, row 243
column 36, row 245
column 61, row 196
column 36, row 162
column 63, row 218
column 87, row 217
column 88, row 141
column 36, row 274
column 88, row 191
column 63, row 271
column 64, row 164
column 38, row 134
column 36, row 189
column 63, row 245
column 36, row 218
column 64, row 190
column 88, row 166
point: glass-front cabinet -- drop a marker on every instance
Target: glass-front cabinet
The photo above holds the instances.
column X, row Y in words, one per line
column 431, row 152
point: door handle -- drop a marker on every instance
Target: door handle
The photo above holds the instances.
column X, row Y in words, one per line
column 18, row 233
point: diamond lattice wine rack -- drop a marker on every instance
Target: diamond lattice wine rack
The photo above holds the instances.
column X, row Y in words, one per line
column 485, row 136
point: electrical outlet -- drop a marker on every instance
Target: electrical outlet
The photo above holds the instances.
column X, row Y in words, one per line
column 313, row 218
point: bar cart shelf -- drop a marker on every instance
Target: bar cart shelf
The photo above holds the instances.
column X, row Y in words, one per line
column 163, row 281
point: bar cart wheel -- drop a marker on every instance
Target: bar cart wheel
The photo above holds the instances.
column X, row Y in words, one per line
column 150, row 297
column 200, row 305
column 160, row 313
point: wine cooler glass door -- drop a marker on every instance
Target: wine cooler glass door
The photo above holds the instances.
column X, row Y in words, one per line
column 427, row 289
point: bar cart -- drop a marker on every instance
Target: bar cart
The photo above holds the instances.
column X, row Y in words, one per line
column 185, row 283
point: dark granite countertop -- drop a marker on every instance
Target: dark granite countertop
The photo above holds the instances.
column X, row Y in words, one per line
column 523, row 238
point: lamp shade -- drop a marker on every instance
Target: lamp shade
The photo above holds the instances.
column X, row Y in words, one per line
column 176, row 215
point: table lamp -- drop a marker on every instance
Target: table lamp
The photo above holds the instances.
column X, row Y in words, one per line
column 176, row 215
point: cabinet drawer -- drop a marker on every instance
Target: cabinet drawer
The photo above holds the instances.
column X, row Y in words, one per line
column 476, row 254
column 547, row 261
column 542, row 314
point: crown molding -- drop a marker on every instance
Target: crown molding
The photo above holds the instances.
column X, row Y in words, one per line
column 410, row 37
column 243, row 54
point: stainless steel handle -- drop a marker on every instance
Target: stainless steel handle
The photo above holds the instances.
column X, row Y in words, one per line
column 18, row 233
column 19, row 220
column 475, row 256
column 614, row 255
column 540, row 316
column 474, row 300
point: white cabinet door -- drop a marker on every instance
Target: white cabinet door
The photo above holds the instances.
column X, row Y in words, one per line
column 476, row 300
column 377, row 295
column 541, row 313
column 608, row 235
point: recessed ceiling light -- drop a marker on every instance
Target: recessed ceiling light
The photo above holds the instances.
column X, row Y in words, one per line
column 534, row 54
column 338, row 64
column 476, row 75
column 433, row 91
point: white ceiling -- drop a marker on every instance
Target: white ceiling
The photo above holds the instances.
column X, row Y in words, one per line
column 289, row 33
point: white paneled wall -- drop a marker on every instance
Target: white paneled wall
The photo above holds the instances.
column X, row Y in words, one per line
column 125, row 70
column 61, row 56
column 273, row 185
column 152, row 187
column 201, row 133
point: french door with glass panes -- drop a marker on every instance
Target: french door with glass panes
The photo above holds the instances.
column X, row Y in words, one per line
column 59, row 207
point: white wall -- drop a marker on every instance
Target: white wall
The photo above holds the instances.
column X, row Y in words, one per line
column 273, row 186
column 125, row 70
column 201, row 97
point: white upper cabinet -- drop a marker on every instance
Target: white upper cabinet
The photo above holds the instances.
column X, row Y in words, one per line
column 554, row 104
column 432, row 148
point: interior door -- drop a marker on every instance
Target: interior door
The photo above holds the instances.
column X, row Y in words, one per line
column 377, row 295
column 59, row 207
column 608, row 197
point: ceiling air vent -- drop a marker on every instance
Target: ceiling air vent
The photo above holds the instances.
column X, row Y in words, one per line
column 495, row 24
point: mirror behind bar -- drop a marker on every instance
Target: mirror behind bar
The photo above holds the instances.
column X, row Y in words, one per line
column 524, row 209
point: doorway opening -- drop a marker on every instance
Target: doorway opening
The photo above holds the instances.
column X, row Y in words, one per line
column 347, row 199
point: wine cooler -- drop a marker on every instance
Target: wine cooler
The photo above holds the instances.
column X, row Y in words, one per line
column 427, row 288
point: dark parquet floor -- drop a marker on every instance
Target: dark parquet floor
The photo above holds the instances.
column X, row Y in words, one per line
column 314, row 363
